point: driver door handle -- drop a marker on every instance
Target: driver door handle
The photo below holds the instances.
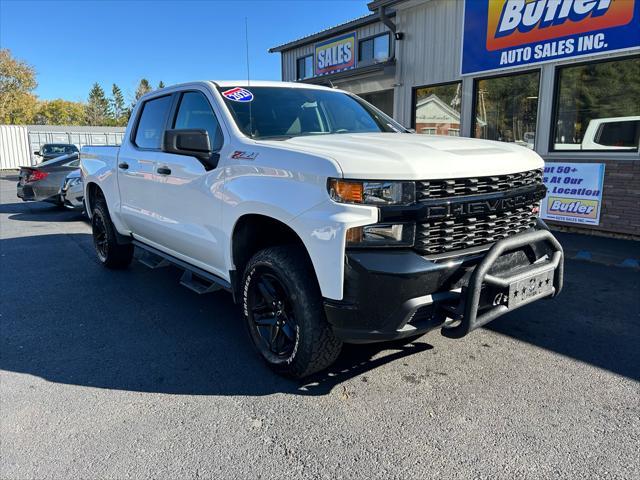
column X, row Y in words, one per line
column 164, row 171
column 123, row 165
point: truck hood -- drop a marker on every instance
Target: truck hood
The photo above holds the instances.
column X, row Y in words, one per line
column 397, row 156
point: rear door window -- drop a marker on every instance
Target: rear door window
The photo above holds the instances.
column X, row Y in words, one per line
column 195, row 112
column 152, row 122
column 619, row 134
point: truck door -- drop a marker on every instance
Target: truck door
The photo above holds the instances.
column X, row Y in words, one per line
column 187, row 191
column 136, row 168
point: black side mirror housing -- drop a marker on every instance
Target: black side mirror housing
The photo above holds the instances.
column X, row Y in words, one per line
column 192, row 142
column 37, row 153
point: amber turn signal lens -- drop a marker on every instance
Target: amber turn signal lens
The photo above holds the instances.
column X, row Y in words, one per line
column 352, row 192
column 354, row 235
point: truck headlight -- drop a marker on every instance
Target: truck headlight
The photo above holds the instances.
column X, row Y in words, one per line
column 382, row 235
column 373, row 192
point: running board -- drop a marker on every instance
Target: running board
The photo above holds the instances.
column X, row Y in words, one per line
column 198, row 284
column 194, row 278
column 151, row 260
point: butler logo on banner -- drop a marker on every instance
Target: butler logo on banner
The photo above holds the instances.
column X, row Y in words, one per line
column 506, row 33
column 336, row 54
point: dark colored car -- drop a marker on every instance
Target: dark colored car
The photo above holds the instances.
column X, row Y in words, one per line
column 54, row 150
column 43, row 182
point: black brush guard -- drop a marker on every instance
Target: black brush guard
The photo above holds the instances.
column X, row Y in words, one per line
column 465, row 314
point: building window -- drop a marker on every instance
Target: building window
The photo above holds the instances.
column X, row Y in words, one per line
column 437, row 109
column 597, row 106
column 304, row 67
column 506, row 108
column 374, row 49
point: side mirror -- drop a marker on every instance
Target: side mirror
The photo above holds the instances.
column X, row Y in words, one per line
column 37, row 152
column 192, row 142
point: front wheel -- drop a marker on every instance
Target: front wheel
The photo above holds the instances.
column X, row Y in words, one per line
column 284, row 313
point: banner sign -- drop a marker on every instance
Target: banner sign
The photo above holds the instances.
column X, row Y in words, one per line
column 500, row 34
column 335, row 55
column 574, row 192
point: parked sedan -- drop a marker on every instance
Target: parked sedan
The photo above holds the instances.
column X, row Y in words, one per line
column 50, row 151
column 72, row 191
column 42, row 182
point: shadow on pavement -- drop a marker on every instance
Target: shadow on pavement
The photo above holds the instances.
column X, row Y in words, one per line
column 138, row 329
column 67, row 319
column 595, row 319
column 40, row 212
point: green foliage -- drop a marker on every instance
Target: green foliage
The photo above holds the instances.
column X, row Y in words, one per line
column 119, row 111
column 597, row 90
column 17, row 82
column 60, row 112
column 98, row 111
column 143, row 87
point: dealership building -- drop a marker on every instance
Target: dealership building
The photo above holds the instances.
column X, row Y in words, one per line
column 558, row 76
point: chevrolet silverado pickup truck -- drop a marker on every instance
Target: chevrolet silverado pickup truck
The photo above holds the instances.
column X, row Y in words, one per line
column 327, row 221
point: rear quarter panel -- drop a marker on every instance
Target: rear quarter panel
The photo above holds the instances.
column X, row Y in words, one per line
column 99, row 166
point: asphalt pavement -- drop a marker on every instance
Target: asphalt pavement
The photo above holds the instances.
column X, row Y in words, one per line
column 126, row 374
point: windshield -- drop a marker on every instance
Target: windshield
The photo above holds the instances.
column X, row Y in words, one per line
column 61, row 149
column 277, row 112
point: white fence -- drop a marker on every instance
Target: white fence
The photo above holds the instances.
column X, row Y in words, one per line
column 18, row 142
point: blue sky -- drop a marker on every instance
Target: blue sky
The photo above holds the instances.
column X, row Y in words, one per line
column 73, row 44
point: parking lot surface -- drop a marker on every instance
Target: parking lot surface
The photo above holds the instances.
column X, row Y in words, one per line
column 126, row 374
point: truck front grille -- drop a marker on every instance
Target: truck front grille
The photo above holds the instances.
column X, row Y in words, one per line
column 455, row 187
column 457, row 232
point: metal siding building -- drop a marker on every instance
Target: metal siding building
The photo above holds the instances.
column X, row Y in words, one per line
column 426, row 53
column 18, row 142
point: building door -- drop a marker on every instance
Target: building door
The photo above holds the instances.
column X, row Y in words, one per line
column 382, row 99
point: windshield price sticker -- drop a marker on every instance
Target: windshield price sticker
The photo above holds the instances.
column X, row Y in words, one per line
column 238, row 94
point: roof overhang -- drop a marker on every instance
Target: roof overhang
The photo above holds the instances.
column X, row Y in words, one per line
column 330, row 32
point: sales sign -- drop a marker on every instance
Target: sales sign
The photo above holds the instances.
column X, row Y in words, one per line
column 335, row 55
column 574, row 192
column 500, row 34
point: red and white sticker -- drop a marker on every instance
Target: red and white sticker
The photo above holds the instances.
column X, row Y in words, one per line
column 238, row 94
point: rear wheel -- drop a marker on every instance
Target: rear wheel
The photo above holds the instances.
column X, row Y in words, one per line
column 110, row 253
column 284, row 314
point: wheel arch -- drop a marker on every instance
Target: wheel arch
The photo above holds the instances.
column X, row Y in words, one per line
column 253, row 232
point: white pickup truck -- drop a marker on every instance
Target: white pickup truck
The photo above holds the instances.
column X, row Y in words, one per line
column 325, row 218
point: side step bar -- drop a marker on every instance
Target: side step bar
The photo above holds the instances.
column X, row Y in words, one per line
column 194, row 278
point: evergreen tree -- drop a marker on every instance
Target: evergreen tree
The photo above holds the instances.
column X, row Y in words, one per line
column 143, row 87
column 161, row 84
column 118, row 108
column 98, row 109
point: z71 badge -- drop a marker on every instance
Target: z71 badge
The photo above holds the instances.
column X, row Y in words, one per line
column 240, row 155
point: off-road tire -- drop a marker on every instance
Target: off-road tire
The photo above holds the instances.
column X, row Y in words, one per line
column 112, row 255
column 316, row 347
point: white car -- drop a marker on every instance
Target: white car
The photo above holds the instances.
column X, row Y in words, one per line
column 325, row 218
column 614, row 133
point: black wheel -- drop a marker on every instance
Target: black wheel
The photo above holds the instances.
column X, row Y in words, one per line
column 284, row 314
column 110, row 253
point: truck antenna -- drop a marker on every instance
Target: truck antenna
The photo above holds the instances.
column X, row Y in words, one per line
column 246, row 38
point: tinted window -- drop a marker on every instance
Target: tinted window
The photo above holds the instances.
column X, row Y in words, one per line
column 305, row 67
column 437, row 109
column 152, row 122
column 507, row 108
column 290, row 112
column 61, row 149
column 619, row 134
column 597, row 106
column 375, row 49
column 195, row 112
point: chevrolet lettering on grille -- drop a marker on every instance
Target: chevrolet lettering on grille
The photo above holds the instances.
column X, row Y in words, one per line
column 487, row 204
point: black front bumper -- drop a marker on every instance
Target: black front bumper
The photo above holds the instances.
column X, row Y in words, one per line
column 396, row 294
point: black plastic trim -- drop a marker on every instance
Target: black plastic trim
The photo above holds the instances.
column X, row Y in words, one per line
column 182, row 264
